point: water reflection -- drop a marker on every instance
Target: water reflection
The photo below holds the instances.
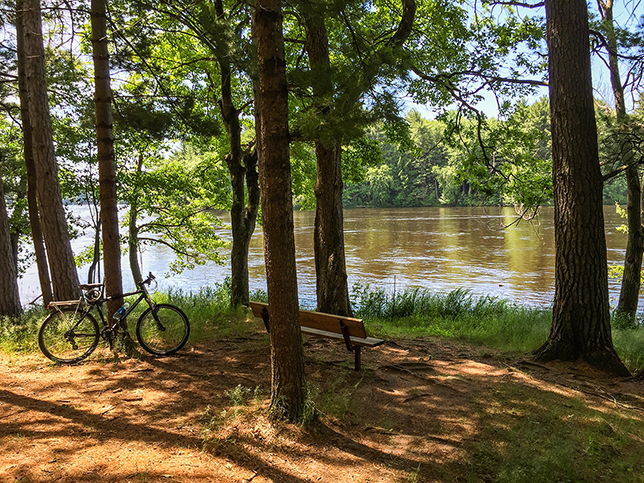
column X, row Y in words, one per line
column 439, row 248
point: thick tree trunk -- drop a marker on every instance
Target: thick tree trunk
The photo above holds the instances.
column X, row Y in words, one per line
column 54, row 224
column 330, row 263
column 32, row 200
column 288, row 392
column 106, row 161
column 581, row 320
column 243, row 179
column 243, row 218
column 9, row 297
column 629, row 294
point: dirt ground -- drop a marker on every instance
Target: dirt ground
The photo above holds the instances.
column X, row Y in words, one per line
column 410, row 415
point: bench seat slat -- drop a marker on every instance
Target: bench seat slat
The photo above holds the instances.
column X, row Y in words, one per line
column 361, row 341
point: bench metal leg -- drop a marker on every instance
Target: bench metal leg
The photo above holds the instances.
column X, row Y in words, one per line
column 358, row 358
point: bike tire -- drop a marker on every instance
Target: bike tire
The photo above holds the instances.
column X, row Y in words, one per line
column 168, row 338
column 63, row 339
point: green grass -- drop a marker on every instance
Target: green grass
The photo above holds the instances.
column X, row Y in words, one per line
column 458, row 315
column 21, row 335
column 545, row 436
column 207, row 310
column 486, row 321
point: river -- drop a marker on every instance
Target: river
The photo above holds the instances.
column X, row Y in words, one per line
column 438, row 248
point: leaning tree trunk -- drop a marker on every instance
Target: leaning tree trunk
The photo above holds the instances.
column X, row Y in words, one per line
column 330, row 261
column 133, row 242
column 243, row 179
column 330, row 264
column 629, row 294
column 32, row 200
column 106, row 162
column 581, row 320
column 9, row 297
column 54, row 223
column 288, row 391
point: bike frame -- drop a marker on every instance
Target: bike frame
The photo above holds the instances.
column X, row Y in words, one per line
column 144, row 295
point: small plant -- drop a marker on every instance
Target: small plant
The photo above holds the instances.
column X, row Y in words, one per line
column 414, row 475
column 239, row 395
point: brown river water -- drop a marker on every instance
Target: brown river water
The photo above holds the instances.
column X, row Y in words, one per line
column 441, row 249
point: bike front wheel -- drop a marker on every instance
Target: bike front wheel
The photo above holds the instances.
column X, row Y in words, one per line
column 68, row 336
column 165, row 333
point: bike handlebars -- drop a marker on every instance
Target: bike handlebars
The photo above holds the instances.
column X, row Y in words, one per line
column 148, row 280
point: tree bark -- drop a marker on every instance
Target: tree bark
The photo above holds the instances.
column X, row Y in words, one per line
column 54, row 224
column 9, row 296
column 133, row 230
column 106, row 161
column 288, row 391
column 32, row 200
column 243, row 179
column 630, row 290
column 581, row 320
column 332, row 287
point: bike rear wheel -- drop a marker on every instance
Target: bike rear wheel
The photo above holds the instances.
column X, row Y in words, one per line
column 68, row 336
column 165, row 334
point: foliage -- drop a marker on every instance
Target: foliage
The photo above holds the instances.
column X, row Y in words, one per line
column 18, row 335
column 567, row 439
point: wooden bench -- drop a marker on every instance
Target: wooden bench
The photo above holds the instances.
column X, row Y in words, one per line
column 337, row 327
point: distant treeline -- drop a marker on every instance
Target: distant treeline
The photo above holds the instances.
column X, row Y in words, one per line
column 443, row 164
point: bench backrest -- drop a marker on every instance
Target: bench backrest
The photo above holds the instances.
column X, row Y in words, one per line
column 321, row 321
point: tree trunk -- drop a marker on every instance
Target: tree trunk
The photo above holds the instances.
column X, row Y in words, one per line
column 630, row 290
column 629, row 294
column 9, row 297
column 32, row 201
column 133, row 242
column 106, row 162
column 243, row 218
column 133, row 230
column 581, row 320
column 243, row 178
column 54, row 224
column 288, row 391
column 330, row 264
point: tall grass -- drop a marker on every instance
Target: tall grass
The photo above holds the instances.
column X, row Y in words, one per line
column 487, row 320
column 411, row 313
column 20, row 334
column 208, row 311
column 458, row 314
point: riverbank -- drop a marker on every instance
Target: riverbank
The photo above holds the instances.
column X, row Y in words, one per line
column 457, row 315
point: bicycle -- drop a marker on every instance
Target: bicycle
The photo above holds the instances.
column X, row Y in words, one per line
column 71, row 333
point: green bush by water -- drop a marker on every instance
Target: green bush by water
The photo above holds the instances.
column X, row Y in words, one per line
column 487, row 321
